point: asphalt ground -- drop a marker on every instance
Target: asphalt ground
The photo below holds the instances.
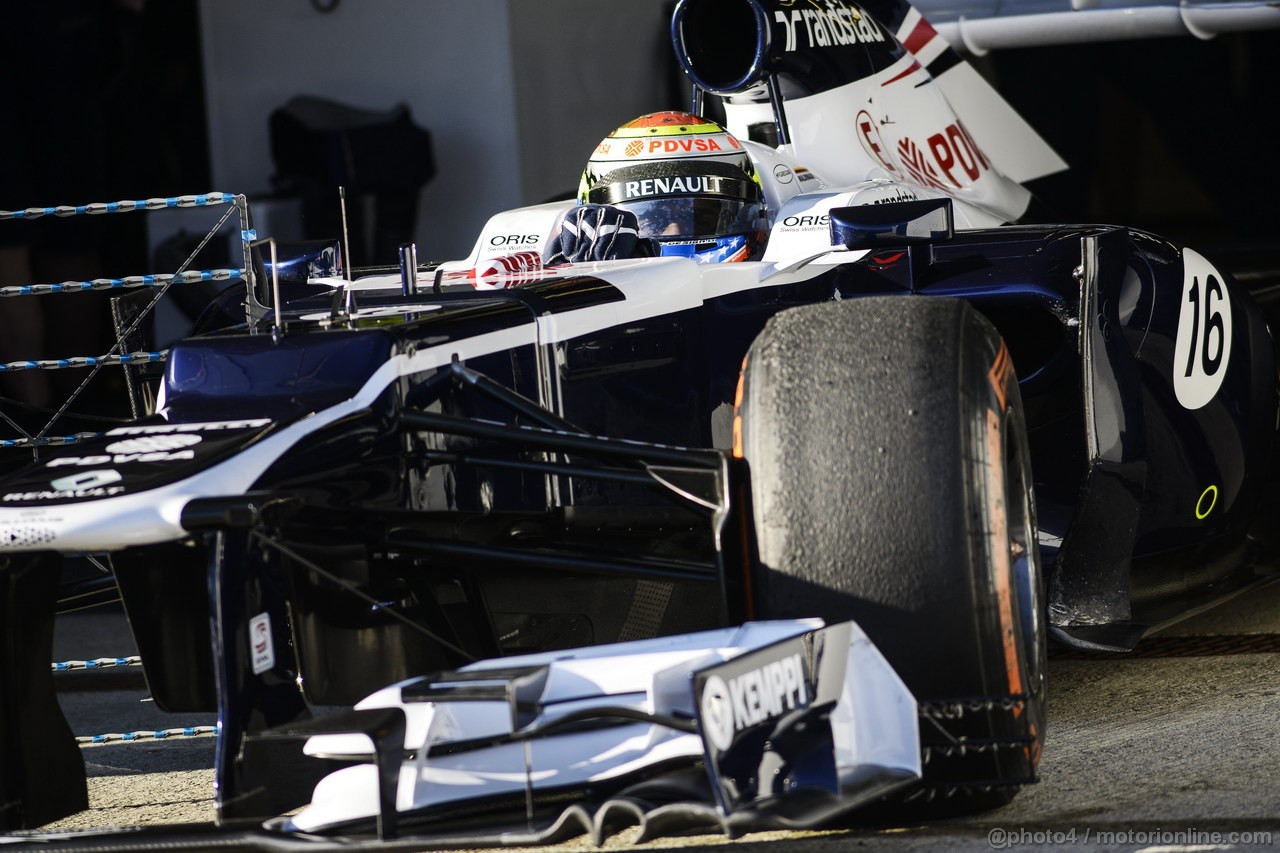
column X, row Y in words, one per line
column 1174, row 748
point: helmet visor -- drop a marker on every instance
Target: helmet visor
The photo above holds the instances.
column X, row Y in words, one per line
column 692, row 218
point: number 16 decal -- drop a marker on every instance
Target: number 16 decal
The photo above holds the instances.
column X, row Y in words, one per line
column 1203, row 347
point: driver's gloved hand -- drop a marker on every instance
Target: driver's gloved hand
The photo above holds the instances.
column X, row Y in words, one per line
column 599, row 232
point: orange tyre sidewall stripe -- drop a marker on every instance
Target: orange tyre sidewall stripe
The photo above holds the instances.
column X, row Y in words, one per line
column 737, row 412
column 1000, row 374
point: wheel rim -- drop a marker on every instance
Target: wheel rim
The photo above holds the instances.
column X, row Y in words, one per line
column 1025, row 562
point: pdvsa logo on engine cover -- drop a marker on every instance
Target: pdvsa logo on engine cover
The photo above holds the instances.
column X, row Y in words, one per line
column 172, row 447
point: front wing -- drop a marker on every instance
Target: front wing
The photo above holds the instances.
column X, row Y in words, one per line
column 782, row 724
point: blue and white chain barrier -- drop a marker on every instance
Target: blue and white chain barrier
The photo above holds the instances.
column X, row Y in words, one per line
column 96, row 663
column 237, row 204
column 126, row 737
column 84, row 361
column 48, row 440
column 133, row 737
column 201, row 200
column 128, row 282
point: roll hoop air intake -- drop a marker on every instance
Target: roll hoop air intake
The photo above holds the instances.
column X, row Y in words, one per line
column 727, row 47
column 747, row 47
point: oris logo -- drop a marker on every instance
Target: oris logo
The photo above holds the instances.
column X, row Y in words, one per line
column 808, row 221
column 514, row 240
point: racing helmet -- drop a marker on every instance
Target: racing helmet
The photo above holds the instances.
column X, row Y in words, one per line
column 690, row 183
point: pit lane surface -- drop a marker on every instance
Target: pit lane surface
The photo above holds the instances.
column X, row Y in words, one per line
column 1165, row 753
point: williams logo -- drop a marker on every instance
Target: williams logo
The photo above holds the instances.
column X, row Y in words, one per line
column 263, row 650
column 754, row 697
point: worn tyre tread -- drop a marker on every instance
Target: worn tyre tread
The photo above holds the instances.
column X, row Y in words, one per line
column 853, row 428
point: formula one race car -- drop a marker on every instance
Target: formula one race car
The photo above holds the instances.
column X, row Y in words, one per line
column 442, row 479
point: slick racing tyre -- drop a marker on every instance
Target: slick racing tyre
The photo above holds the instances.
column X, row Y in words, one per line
column 891, row 485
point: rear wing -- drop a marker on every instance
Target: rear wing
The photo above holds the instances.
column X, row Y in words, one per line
column 980, row 26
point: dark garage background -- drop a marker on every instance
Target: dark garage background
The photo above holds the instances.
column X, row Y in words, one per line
column 106, row 99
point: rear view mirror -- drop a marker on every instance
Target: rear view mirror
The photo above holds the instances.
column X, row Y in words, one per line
column 903, row 223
